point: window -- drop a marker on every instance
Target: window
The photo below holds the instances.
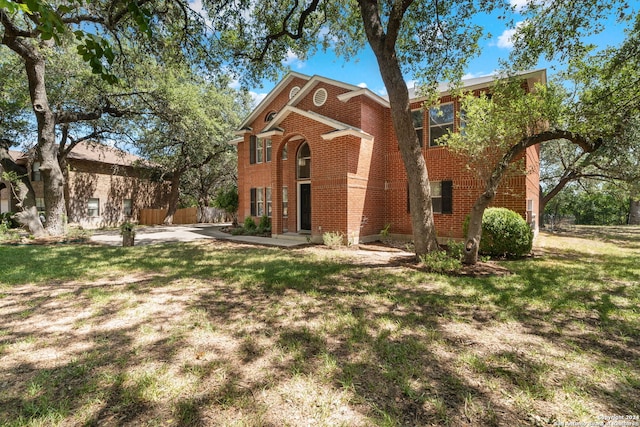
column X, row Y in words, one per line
column 252, row 149
column 268, row 199
column 253, row 202
column 441, row 197
column 35, row 172
column 270, row 116
column 304, row 161
column 267, row 150
column 40, row 204
column 93, row 207
column 285, row 151
column 259, row 151
column 418, row 123
column 259, row 202
column 294, row 91
column 440, row 122
column 127, row 207
column 285, row 202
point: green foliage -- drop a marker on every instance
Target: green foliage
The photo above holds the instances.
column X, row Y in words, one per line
column 128, row 228
column 504, row 233
column 455, row 249
column 384, row 233
column 227, row 199
column 8, row 219
column 333, row 239
column 249, row 224
column 265, row 225
column 441, row 262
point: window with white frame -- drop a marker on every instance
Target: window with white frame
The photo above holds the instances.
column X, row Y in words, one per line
column 267, row 150
column 259, row 151
column 268, row 200
column 418, row 123
column 40, row 204
column 285, row 151
column 93, row 207
column 285, row 202
column 441, row 120
column 259, row 202
column 304, row 161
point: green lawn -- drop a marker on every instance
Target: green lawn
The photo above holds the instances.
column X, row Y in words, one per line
column 219, row 334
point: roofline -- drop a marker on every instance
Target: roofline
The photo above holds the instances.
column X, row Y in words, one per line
column 487, row 81
column 271, row 95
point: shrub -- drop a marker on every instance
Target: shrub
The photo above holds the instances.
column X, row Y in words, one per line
column 333, row 239
column 9, row 219
column 249, row 224
column 265, row 225
column 455, row 249
column 504, row 233
column 440, row 262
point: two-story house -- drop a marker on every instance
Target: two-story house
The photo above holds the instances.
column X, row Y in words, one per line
column 318, row 155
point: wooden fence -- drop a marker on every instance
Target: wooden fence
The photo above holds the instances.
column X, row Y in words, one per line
column 156, row 216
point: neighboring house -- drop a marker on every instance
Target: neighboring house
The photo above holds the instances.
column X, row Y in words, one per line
column 105, row 185
column 318, row 155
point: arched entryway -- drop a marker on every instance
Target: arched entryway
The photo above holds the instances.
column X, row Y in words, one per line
column 303, row 175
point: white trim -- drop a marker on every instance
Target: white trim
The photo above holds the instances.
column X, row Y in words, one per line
column 270, row 133
column 320, row 97
column 345, row 97
column 235, row 141
column 347, row 132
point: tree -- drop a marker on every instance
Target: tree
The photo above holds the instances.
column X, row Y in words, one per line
column 498, row 130
column 433, row 39
column 189, row 120
column 31, row 30
column 605, row 101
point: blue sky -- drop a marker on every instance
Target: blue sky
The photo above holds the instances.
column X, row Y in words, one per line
column 363, row 71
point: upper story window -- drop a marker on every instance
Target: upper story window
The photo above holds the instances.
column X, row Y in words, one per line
column 259, row 151
column 304, row 161
column 35, row 172
column 267, row 150
column 418, row 123
column 441, row 120
column 270, row 115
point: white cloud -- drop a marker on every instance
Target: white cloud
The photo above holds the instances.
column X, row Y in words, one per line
column 505, row 40
column 518, row 5
column 362, row 85
column 196, row 6
column 293, row 60
column 257, row 98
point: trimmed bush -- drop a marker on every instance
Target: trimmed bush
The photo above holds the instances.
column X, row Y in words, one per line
column 504, row 233
column 249, row 224
column 265, row 225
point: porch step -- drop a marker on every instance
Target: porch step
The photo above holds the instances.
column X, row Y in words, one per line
column 292, row 236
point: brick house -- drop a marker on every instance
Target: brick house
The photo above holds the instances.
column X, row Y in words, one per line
column 318, row 155
column 105, row 186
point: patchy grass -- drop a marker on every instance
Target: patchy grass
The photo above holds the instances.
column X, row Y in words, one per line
column 232, row 335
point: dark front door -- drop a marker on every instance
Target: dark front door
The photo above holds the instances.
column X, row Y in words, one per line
column 305, row 207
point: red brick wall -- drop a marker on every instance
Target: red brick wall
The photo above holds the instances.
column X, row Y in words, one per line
column 360, row 186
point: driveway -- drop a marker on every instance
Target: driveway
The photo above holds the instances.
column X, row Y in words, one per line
column 153, row 234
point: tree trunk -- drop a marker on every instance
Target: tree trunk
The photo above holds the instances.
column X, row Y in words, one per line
column 47, row 148
column 23, row 191
column 634, row 207
column 383, row 45
column 173, row 198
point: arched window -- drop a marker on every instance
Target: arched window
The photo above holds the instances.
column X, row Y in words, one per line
column 304, row 161
column 270, row 115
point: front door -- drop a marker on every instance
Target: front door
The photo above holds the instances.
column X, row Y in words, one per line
column 305, row 207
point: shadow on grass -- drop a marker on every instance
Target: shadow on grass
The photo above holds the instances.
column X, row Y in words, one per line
column 375, row 332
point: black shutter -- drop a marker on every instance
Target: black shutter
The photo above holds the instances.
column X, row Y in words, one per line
column 252, row 149
column 447, row 197
column 408, row 199
column 253, row 202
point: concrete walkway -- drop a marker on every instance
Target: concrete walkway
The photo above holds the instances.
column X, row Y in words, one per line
column 149, row 235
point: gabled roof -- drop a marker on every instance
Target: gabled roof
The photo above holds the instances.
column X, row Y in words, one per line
column 539, row 75
column 94, row 152
column 270, row 97
column 339, row 128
